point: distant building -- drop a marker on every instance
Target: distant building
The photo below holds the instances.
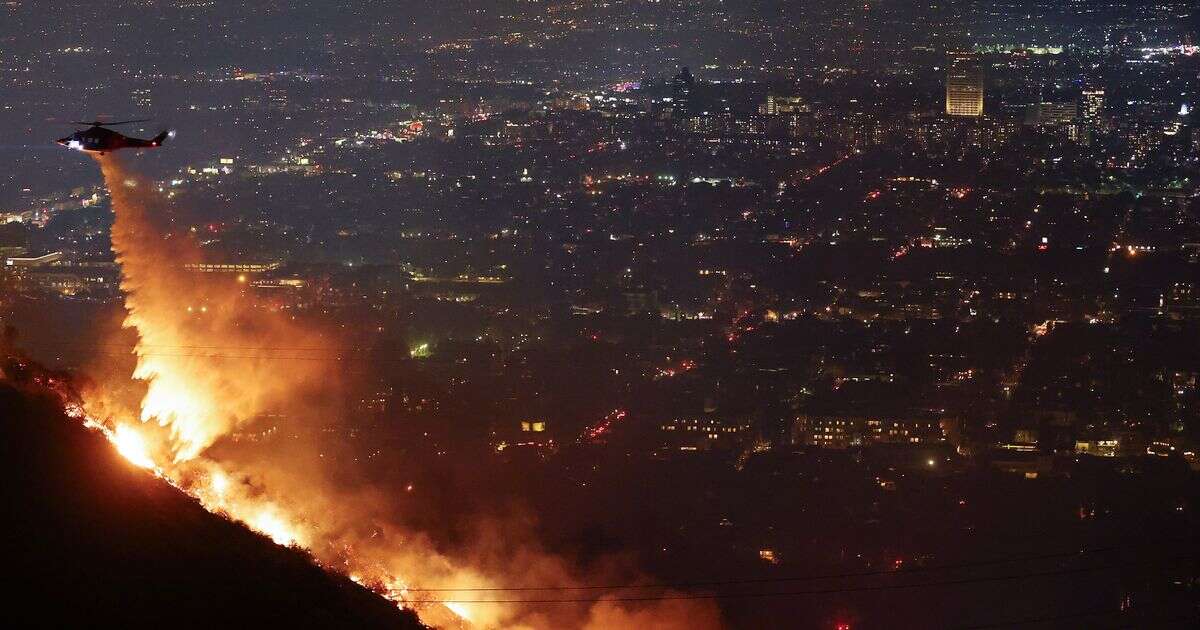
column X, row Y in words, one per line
column 840, row 431
column 1052, row 113
column 1091, row 104
column 1098, row 448
column 53, row 274
column 964, row 85
column 778, row 105
column 729, row 127
column 34, row 261
column 1059, row 116
column 533, row 426
column 235, row 267
column 706, row 430
column 681, row 92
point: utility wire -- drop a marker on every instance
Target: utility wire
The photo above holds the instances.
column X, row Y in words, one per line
column 825, row 591
column 804, row 578
column 1080, row 615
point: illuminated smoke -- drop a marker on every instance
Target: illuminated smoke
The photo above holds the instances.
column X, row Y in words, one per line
column 211, row 361
column 187, row 324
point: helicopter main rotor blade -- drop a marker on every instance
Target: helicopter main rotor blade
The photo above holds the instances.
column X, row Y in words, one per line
column 100, row 123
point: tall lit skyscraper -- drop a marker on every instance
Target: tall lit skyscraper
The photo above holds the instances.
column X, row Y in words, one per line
column 1091, row 103
column 780, row 105
column 964, row 85
column 681, row 89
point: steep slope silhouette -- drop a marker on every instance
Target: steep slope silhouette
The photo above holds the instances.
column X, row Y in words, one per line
column 93, row 541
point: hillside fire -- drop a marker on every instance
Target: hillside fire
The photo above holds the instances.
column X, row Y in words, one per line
column 199, row 396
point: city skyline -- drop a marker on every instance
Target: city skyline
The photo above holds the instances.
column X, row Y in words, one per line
column 678, row 313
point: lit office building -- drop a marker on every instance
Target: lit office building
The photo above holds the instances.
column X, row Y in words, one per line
column 964, row 85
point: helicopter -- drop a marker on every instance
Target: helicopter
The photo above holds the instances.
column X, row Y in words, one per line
column 98, row 138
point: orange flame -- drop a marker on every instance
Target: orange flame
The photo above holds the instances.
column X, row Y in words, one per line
column 196, row 395
column 131, row 446
column 199, row 391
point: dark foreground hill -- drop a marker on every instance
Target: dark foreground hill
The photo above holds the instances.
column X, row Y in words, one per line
column 91, row 541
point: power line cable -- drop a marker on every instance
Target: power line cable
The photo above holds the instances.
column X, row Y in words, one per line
column 1079, row 615
column 805, row 578
column 827, row 591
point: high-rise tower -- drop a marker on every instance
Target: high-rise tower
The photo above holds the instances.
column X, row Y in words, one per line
column 964, row 85
column 1091, row 104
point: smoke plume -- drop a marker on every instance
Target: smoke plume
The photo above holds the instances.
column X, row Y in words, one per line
column 235, row 396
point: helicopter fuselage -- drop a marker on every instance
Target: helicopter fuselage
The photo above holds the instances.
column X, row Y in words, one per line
column 97, row 139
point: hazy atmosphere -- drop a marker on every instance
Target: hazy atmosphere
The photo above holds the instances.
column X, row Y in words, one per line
column 682, row 314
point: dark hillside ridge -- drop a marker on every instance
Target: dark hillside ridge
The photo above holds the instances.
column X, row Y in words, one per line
column 92, row 541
